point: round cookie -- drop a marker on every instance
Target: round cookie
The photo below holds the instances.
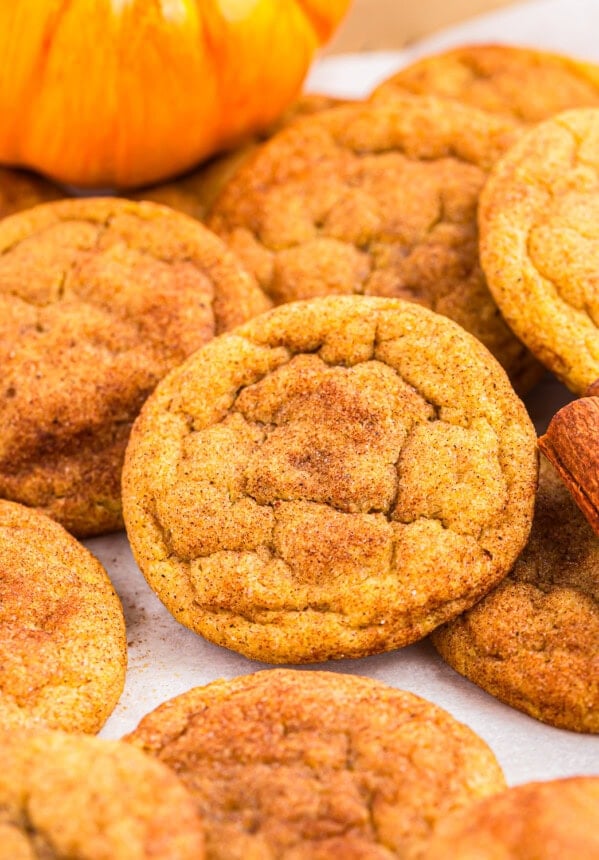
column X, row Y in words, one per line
column 521, row 84
column 299, row 765
column 80, row 798
column 333, row 479
column 63, row 650
column 532, row 642
column 99, row 298
column 376, row 200
column 20, row 190
column 195, row 192
column 536, row 821
column 540, row 243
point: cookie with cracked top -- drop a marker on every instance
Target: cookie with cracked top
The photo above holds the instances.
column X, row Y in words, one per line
column 549, row 820
column 532, row 642
column 522, row 84
column 63, row 650
column 335, row 478
column 317, row 765
column 540, row 243
column 99, row 298
column 376, row 200
column 73, row 797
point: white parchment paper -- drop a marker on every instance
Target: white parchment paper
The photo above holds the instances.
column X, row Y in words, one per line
column 166, row 659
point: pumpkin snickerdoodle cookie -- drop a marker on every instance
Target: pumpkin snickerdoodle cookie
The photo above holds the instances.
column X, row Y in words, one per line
column 533, row 642
column 376, row 200
column 99, row 298
column 315, row 765
column 81, row 798
column 195, row 192
column 333, row 479
column 522, row 84
column 536, row 821
column 540, row 243
column 63, row 650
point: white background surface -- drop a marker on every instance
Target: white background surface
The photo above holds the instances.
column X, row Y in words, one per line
column 166, row 659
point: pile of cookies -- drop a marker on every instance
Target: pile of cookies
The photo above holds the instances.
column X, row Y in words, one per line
column 306, row 413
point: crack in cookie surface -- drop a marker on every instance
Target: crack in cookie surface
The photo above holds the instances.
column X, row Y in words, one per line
column 376, row 201
column 98, row 300
column 324, row 486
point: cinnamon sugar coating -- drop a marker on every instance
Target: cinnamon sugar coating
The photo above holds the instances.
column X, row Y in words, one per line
column 333, row 479
column 70, row 797
column 540, row 243
column 549, row 820
column 533, row 641
column 63, row 650
column 99, row 298
column 376, row 200
column 315, row 765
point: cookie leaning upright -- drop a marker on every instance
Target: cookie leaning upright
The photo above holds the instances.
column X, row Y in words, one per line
column 63, row 650
column 522, row 84
column 99, row 298
column 333, row 479
column 539, row 218
column 80, row 798
column 316, row 765
column 376, row 200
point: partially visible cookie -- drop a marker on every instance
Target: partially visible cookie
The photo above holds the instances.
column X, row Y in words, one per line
column 21, row 190
column 540, row 243
column 523, row 84
column 376, row 200
column 80, row 798
column 99, row 298
column 195, row 192
column 305, row 765
column 333, row 479
column 63, row 650
column 554, row 820
column 533, row 642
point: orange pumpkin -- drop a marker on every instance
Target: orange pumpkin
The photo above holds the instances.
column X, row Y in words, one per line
column 126, row 92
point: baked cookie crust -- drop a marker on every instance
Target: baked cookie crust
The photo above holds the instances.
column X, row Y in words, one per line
column 540, row 243
column 99, row 298
column 80, row 798
column 376, row 200
column 63, row 650
column 552, row 820
column 533, row 642
column 299, row 765
column 333, row 479
column 521, row 84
